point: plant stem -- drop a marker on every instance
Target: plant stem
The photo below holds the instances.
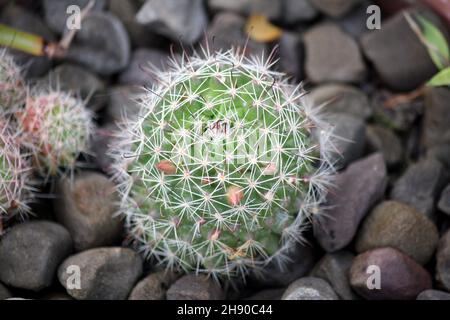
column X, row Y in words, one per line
column 23, row 41
column 36, row 45
column 405, row 98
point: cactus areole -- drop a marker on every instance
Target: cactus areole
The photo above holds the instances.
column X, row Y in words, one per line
column 223, row 167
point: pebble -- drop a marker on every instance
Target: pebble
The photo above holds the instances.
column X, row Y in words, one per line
column 355, row 21
column 126, row 11
column 30, row 253
column 387, row 142
column 57, row 296
column 227, row 31
column 302, row 259
column 180, row 20
column 356, row 190
column 106, row 273
column 124, row 103
column 401, row 278
column 268, row 294
column 269, row 8
column 441, row 153
column 433, row 295
column 334, row 8
column 444, row 202
column 310, row 288
column 443, row 262
column 87, row 206
column 400, row 226
column 154, row 286
column 341, row 98
column 436, row 129
column 290, row 52
column 350, row 138
column 420, row 185
column 4, row 293
column 22, row 19
column 195, row 287
column 55, row 12
column 102, row 45
column 140, row 70
column 99, row 147
column 334, row 268
column 399, row 57
column 295, row 11
column 79, row 81
column 332, row 55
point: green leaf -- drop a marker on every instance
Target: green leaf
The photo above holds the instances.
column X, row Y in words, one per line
column 440, row 79
column 436, row 43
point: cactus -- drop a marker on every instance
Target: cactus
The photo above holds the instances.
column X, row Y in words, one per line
column 12, row 89
column 224, row 166
column 56, row 127
column 15, row 187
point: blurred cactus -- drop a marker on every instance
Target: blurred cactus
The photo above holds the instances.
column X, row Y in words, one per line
column 14, row 175
column 12, row 88
column 56, row 128
column 224, row 166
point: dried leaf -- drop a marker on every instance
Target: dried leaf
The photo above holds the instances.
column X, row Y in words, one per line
column 260, row 29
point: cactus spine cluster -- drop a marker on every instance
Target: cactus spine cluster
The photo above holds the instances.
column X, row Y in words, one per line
column 224, row 166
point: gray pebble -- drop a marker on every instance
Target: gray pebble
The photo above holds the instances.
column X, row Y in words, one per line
column 399, row 57
column 154, row 286
column 332, row 55
column 387, row 142
column 420, row 185
column 444, row 202
column 105, row 273
column 334, row 268
column 341, row 98
column 356, row 190
column 433, row 295
column 31, row 252
column 180, row 20
column 269, row 8
column 102, row 45
column 310, row 288
column 193, row 287
column 56, row 15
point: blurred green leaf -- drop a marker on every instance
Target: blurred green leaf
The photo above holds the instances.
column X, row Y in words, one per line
column 441, row 79
column 432, row 38
column 437, row 44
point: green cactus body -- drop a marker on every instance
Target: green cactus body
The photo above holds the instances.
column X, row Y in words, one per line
column 14, row 175
column 12, row 89
column 224, row 165
column 56, row 127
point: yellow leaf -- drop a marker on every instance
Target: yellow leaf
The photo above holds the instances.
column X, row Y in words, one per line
column 260, row 29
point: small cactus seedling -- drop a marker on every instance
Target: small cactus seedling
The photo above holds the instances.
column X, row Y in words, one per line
column 14, row 175
column 224, row 166
column 12, row 89
column 56, row 127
